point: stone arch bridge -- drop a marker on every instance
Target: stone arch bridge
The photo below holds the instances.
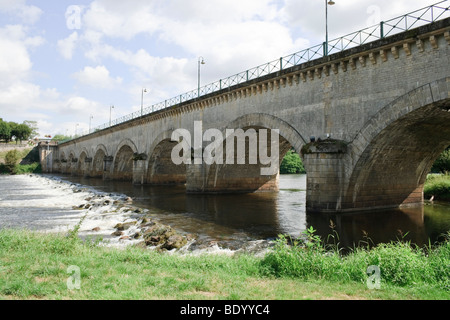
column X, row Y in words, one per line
column 368, row 123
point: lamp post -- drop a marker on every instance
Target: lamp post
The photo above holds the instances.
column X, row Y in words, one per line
column 200, row 62
column 90, row 119
column 76, row 128
column 142, row 101
column 110, row 112
column 325, row 47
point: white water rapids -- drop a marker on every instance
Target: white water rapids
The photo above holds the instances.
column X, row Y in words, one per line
column 51, row 205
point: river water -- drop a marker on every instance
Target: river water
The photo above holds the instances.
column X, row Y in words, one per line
column 51, row 203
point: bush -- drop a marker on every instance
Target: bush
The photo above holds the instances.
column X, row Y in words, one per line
column 292, row 163
column 11, row 158
column 27, row 168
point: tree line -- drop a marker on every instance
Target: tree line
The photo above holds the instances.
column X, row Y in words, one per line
column 10, row 131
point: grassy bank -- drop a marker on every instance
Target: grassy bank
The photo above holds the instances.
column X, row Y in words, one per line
column 36, row 266
column 20, row 161
column 438, row 187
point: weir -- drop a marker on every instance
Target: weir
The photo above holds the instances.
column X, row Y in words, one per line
column 368, row 122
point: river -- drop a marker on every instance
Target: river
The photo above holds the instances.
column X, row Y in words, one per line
column 226, row 222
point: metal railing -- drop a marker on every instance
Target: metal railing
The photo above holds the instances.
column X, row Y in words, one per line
column 390, row 27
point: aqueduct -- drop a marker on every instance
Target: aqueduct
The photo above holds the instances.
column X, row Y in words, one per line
column 368, row 123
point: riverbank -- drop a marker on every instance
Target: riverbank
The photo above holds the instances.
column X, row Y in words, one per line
column 437, row 187
column 54, row 266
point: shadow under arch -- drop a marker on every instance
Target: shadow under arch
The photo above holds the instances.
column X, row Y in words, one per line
column 161, row 169
column 123, row 160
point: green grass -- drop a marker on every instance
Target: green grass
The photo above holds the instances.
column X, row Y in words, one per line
column 35, row 266
column 437, row 186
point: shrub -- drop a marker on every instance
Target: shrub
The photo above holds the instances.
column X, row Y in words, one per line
column 11, row 158
column 292, row 163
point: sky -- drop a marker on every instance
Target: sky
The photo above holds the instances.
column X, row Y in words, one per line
column 65, row 63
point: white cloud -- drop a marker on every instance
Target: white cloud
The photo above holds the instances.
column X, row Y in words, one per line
column 119, row 19
column 67, row 46
column 97, row 77
column 15, row 61
column 27, row 13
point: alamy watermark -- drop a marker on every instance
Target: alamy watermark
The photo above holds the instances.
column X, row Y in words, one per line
column 374, row 279
column 191, row 150
column 73, row 17
column 74, row 281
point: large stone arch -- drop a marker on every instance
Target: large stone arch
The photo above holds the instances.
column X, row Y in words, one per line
column 161, row 169
column 245, row 172
column 395, row 150
column 123, row 160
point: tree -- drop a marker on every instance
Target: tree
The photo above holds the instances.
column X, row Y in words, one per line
column 21, row 132
column 292, row 163
column 33, row 126
column 5, row 131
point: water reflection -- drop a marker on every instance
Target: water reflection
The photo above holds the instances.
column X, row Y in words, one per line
column 232, row 219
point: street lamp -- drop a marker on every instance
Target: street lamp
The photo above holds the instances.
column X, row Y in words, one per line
column 110, row 112
column 90, row 119
column 325, row 47
column 200, row 62
column 76, row 127
column 142, row 101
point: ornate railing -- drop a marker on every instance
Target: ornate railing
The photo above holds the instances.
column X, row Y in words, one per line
column 390, row 27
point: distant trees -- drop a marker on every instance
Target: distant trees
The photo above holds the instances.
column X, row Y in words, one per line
column 61, row 137
column 19, row 132
column 442, row 164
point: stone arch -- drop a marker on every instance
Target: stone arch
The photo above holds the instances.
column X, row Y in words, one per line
column 161, row 168
column 98, row 162
column 262, row 120
column 392, row 155
column 126, row 142
column 123, row 160
column 246, row 175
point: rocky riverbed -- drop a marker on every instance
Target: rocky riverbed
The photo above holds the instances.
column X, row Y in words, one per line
column 136, row 226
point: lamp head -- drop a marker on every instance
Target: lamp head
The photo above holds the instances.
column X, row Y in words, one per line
column 331, row 2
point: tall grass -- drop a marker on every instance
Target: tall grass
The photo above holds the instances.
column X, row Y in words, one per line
column 437, row 186
column 400, row 262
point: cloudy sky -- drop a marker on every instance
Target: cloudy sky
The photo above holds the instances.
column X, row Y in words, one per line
column 63, row 62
